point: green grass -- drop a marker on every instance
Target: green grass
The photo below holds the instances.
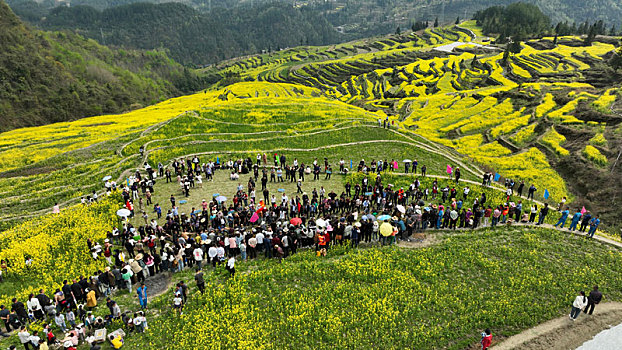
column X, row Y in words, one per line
column 441, row 296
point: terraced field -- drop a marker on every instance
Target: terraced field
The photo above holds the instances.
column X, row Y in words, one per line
column 499, row 114
column 327, row 101
column 61, row 162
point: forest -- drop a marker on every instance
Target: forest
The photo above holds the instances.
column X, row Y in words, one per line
column 191, row 37
column 49, row 77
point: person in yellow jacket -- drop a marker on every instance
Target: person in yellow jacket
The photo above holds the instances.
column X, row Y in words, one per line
column 117, row 342
column 91, row 299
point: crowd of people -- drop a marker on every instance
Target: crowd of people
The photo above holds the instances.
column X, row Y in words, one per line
column 219, row 232
column 70, row 311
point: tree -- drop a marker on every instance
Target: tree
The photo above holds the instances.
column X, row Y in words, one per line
column 458, row 20
column 616, row 60
column 612, row 32
column 555, row 40
column 517, row 18
column 398, row 31
column 591, row 35
column 436, row 23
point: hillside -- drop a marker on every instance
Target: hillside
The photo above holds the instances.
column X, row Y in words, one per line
column 363, row 18
column 548, row 117
column 194, row 38
column 49, row 77
column 506, row 116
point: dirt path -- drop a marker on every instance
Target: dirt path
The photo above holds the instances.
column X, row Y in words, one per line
column 158, row 284
column 562, row 333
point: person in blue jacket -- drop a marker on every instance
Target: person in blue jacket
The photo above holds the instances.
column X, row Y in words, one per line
column 575, row 220
column 563, row 218
column 593, row 226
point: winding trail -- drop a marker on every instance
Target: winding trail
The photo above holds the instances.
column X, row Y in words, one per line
column 562, row 333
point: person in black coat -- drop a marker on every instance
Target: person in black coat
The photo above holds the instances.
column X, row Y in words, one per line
column 594, row 298
column 76, row 289
column 20, row 310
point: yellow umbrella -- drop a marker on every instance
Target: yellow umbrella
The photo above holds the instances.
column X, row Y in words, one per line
column 386, row 229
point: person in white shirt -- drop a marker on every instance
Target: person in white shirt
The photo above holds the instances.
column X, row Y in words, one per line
column 212, row 252
column 198, row 256
column 34, row 307
column 220, row 254
column 231, row 266
column 580, row 302
column 178, row 303
column 259, row 237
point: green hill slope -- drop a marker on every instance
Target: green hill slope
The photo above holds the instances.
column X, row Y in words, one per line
column 49, row 77
column 438, row 297
column 193, row 37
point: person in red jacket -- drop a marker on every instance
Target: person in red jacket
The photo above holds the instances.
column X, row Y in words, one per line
column 486, row 339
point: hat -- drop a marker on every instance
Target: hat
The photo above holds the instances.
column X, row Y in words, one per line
column 106, row 240
column 358, row 224
column 394, row 218
column 286, row 230
column 68, row 344
column 188, row 246
column 139, row 256
column 418, row 211
column 107, row 269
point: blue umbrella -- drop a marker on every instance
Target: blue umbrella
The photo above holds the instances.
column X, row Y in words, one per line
column 106, row 178
column 221, row 199
column 183, row 201
column 216, row 194
column 281, row 190
column 368, row 193
column 196, row 212
column 384, row 217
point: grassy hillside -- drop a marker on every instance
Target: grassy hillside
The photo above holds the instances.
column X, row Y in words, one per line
column 237, row 121
column 449, row 105
column 50, row 77
column 441, row 296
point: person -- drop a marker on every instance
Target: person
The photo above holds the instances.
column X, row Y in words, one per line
column 91, row 299
column 575, row 220
column 543, row 213
column 198, row 277
column 178, row 303
column 563, row 218
column 142, row 295
column 34, row 340
column 198, row 256
column 117, row 342
column 20, row 310
column 4, row 315
column 486, row 339
column 60, row 322
column 231, row 266
column 24, row 337
column 585, row 221
column 580, row 302
column 594, row 298
column 593, row 226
